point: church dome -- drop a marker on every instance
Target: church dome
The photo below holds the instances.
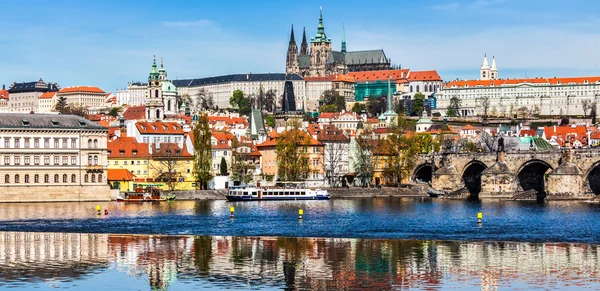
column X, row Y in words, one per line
column 168, row 87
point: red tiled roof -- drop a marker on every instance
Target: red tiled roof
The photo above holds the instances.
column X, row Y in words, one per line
column 329, row 115
column 528, row 132
column 595, row 135
column 468, row 127
column 86, row 89
column 382, row 75
column 127, row 147
column 135, row 113
column 3, row 94
column 227, row 120
column 162, row 150
column 331, row 78
column 120, row 175
column 223, row 139
column 331, row 133
column 47, row 95
column 372, row 120
column 273, row 141
column 159, row 127
column 562, row 131
column 550, row 81
column 424, row 76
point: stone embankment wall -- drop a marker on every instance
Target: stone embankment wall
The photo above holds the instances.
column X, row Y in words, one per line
column 200, row 195
column 26, row 193
column 358, row 192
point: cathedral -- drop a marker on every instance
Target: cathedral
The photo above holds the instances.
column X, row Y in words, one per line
column 161, row 95
column 322, row 61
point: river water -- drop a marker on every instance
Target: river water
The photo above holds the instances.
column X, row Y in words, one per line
column 355, row 244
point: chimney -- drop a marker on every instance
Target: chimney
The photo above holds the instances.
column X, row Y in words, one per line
column 555, row 128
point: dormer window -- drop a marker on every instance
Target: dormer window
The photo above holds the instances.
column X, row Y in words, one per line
column 134, row 153
column 121, row 152
column 25, row 122
column 82, row 123
column 54, row 122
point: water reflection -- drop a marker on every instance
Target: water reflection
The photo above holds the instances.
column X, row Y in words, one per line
column 177, row 262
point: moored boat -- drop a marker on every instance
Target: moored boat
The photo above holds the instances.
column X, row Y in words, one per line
column 251, row 193
column 140, row 195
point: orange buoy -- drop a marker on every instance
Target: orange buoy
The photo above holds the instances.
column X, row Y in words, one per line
column 105, row 211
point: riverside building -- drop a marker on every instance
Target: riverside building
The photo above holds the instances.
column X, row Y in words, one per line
column 47, row 157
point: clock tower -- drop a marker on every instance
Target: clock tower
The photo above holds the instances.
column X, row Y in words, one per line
column 154, row 100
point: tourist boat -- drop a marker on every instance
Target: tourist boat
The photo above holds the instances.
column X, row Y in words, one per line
column 140, row 195
column 284, row 192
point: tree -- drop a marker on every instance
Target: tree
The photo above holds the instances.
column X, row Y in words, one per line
column 402, row 149
column 465, row 145
column 485, row 103
column 291, row 154
column 202, row 152
column 425, row 143
column 454, row 106
column 223, row 167
column 418, row 103
column 241, row 169
column 167, row 158
column 494, row 111
column 336, row 146
column 239, row 101
column 358, row 108
column 332, row 97
column 523, row 111
column 375, row 105
column 61, row 104
column 585, row 105
column 536, row 111
column 114, row 112
column 363, row 160
column 511, row 111
column 328, row 108
column 204, row 100
column 593, row 113
column 270, row 120
column 489, row 143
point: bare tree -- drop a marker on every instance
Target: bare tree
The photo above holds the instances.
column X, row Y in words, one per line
column 167, row 159
column 489, row 143
column 204, row 100
column 365, row 143
column 586, row 104
column 241, row 165
column 523, row 111
column 485, row 103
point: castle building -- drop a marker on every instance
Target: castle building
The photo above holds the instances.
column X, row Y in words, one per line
column 24, row 97
column 322, row 60
column 161, row 96
column 486, row 73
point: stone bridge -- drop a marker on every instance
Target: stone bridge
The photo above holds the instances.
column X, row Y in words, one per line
column 560, row 174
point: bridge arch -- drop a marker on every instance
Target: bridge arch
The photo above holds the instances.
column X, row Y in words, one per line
column 424, row 172
column 532, row 175
column 592, row 178
column 471, row 176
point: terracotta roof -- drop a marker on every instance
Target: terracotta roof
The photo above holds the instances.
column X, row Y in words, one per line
column 86, row 89
column 550, row 81
column 331, row 133
column 227, row 120
column 468, row 127
column 120, row 175
column 329, row 115
column 562, row 131
column 162, row 150
column 527, row 132
column 331, row 78
column 273, row 141
column 47, row 95
column 223, row 139
column 372, row 120
column 159, row 127
column 382, row 75
column 595, row 135
column 3, row 94
column 135, row 113
column 127, row 147
column 424, row 76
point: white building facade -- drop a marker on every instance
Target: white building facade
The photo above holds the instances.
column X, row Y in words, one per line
column 24, row 97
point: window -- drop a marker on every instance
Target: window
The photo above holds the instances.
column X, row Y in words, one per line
column 96, row 160
column 36, row 160
column 46, row 178
column 7, row 160
column 26, row 178
column 46, row 143
column 17, row 142
column 214, row 154
column 65, row 160
column 93, row 178
column 99, row 178
column 56, row 178
column 89, row 143
column 64, row 178
column 315, row 162
column 6, row 142
column 27, row 143
column 56, row 162
column 95, row 143
column 138, row 162
column 315, row 150
column 7, row 178
column 56, row 143
column 89, row 160
column 73, row 178
column 17, row 178
column 86, row 178
column 36, row 178
column 74, row 160
column 225, row 153
column 17, row 160
column 73, row 143
column 36, row 143
column 116, row 162
column 65, row 142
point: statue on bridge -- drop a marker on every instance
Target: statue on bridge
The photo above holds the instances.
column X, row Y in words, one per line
column 500, row 144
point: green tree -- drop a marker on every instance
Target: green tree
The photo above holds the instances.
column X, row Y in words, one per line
column 402, row 150
column 239, row 101
column 61, row 104
column 270, row 120
column 291, row 151
column 358, row 108
column 223, row 167
column 328, row 108
column 202, row 152
column 375, row 105
column 418, row 103
column 114, row 112
column 425, row 143
column 332, row 97
column 455, row 105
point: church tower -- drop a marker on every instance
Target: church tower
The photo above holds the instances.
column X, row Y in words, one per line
column 484, row 72
column 320, row 49
column 154, row 101
column 304, row 46
column 343, row 40
column 291, row 61
column 493, row 70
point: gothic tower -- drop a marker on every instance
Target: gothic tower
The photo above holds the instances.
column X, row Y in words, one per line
column 484, row 72
column 320, row 49
column 154, row 101
column 304, row 46
column 343, row 40
column 494, row 70
column 291, row 61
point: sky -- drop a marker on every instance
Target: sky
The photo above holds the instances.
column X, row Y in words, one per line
column 109, row 43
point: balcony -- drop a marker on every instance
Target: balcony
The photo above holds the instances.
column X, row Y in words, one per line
column 94, row 168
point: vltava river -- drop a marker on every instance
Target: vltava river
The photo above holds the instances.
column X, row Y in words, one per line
column 75, row 261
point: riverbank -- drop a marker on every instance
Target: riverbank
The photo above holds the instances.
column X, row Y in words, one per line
column 352, row 192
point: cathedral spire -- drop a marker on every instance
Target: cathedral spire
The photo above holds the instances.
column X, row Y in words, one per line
column 321, row 37
column 292, row 39
column 304, row 46
column 343, row 40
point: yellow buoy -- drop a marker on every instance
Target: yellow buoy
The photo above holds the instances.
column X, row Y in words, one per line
column 479, row 217
column 300, row 213
column 231, row 211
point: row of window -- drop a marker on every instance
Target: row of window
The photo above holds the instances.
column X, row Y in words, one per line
column 26, row 159
column 16, row 142
column 16, row 179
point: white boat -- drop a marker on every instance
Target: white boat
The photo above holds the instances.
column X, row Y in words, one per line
column 253, row 193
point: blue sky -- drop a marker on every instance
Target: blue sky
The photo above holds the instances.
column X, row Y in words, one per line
column 108, row 43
